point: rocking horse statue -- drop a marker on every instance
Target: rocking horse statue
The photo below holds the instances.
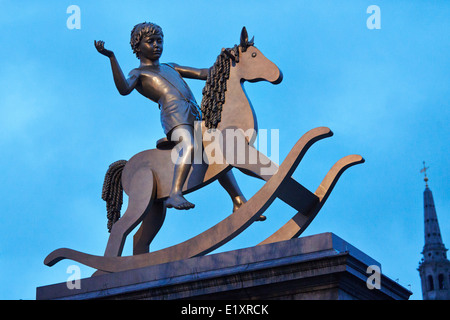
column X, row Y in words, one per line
column 154, row 182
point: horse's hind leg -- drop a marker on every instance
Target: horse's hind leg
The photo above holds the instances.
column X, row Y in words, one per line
column 149, row 228
column 141, row 193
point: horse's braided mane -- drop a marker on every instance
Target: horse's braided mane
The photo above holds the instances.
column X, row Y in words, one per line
column 216, row 86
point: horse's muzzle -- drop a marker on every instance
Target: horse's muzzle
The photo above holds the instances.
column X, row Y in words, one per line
column 280, row 78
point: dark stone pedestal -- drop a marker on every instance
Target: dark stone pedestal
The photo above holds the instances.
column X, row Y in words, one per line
column 318, row 267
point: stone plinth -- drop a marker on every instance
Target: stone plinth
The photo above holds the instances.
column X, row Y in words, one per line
column 320, row 267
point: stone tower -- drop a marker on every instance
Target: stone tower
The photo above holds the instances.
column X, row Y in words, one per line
column 434, row 268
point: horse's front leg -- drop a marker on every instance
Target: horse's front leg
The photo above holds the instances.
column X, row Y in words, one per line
column 256, row 164
column 238, row 151
column 259, row 165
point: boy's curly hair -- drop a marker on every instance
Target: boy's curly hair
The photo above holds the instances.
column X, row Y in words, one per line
column 141, row 30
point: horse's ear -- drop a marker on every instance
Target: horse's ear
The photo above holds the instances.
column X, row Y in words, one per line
column 251, row 42
column 244, row 38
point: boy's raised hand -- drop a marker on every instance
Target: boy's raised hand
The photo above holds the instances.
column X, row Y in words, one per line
column 100, row 46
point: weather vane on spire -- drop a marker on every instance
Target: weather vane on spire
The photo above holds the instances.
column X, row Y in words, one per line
column 424, row 170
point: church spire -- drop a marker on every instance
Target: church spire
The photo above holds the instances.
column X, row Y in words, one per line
column 434, row 248
column 434, row 268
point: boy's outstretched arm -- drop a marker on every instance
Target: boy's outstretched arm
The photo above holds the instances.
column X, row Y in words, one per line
column 123, row 85
column 192, row 73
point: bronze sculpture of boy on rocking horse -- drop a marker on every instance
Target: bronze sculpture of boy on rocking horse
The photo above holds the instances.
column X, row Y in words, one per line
column 153, row 182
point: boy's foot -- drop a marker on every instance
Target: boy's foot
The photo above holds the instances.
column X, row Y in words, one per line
column 261, row 218
column 239, row 201
column 177, row 201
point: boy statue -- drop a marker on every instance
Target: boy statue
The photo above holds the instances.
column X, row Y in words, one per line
column 163, row 84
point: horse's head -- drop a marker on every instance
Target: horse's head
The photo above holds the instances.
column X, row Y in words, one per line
column 253, row 65
column 247, row 64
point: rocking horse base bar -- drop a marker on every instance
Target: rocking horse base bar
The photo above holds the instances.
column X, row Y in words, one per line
column 319, row 267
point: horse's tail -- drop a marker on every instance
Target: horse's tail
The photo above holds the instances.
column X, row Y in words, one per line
column 112, row 191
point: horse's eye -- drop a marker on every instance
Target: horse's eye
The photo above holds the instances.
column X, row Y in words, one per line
column 254, row 54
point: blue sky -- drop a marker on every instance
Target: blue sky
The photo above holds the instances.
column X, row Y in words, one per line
column 384, row 93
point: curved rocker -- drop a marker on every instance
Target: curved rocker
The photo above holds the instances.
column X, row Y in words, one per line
column 301, row 220
column 217, row 235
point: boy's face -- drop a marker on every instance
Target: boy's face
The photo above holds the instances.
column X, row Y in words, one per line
column 151, row 47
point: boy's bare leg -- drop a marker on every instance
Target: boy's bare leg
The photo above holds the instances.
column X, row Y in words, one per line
column 228, row 182
column 185, row 133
